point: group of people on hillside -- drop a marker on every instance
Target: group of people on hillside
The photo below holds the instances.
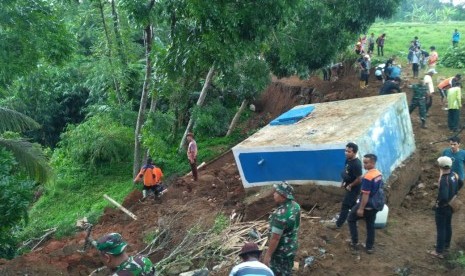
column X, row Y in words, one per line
column 419, row 58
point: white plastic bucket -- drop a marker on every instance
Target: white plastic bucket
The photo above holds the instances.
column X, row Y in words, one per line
column 381, row 217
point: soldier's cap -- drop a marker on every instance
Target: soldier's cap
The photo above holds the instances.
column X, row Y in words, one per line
column 284, row 189
column 444, row 162
column 112, row 244
column 249, row 247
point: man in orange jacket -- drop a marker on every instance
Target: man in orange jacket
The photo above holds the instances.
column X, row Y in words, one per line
column 151, row 176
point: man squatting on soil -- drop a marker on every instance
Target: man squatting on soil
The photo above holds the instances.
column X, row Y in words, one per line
column 449, row 184
column 152, row 176
column 112, row 253
column 371, row 182
column 192, row 154
column 284, row 226
column 351, row 179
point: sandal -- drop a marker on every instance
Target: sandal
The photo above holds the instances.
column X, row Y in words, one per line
column 433, row 253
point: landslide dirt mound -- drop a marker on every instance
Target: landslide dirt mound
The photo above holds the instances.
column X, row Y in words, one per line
column 400, row 247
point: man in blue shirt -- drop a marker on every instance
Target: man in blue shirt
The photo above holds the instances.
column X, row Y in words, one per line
column 455, row 38
column 457, row 155
column 251, row 266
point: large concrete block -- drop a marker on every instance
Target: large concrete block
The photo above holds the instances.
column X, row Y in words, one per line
column 311, row 150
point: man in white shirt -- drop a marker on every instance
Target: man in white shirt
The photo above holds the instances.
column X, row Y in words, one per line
column 428, row 81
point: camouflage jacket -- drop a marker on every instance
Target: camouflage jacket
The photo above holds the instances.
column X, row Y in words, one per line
column 419, row 91
column 285, row 221
column 135, row 266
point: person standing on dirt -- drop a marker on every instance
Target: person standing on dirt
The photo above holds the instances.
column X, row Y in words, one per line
column 457, row 155
column 112, row 249
column 428, row 81
column 371, row 43
column 192, row 154
column 284, row 226
column 433, row 57
column 449, row 185
column 151, row 176
column 364, row 63
column 380, row 43
column 416, row 56
column 454, row 104
column 351, row 179
column 455, row 38
column 420, row 92
column 250, row 255
column 371, row 182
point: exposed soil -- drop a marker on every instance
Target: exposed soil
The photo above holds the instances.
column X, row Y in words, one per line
column 400, row 247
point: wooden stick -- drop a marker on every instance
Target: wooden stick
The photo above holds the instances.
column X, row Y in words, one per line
column 120, row 207
column 311, row 210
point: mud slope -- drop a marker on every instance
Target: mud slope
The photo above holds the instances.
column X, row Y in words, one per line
column 400, row 248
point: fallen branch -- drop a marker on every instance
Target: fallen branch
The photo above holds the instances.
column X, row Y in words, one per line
column 48, row 232
column 129, row 213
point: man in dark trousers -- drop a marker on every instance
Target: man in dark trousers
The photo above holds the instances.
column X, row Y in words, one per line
column 449, row 184
column 420, row 92
column 151, row 175
column 351, row 179
column 192, row 154
column 372, row 181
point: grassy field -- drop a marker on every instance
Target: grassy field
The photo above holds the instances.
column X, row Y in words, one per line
column 400, row 34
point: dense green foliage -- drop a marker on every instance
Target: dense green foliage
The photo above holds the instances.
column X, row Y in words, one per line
column 454, row 57
column 15, row 196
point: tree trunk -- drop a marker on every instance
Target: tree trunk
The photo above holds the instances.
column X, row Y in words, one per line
column 119, row 40
column 143, row 98
column 153, row 106
column 110, row 58
column 200, row 101
column 236, row 117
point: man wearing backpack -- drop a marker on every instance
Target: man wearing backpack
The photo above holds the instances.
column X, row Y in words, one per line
column 370, row 202
column 151, row 176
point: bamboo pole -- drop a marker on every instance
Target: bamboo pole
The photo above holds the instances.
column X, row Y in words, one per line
column 129, row 213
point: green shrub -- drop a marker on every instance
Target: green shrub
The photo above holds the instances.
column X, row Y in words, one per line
column 98, row 141
column 454, row 57
column 212, row 120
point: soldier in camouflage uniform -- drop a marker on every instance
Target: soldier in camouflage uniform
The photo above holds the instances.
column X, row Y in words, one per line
column 420, row 91
column 284, row 225
column 112, row 253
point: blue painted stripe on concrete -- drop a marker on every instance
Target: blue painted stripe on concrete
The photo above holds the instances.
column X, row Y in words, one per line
column 292, row 116
column 293, row 165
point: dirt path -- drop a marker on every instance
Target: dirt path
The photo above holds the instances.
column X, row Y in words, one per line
column 400, row 247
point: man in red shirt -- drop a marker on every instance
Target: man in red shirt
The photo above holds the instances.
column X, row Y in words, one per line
column 192, row 154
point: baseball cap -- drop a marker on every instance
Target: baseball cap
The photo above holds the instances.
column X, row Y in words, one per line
column 444, row 162
column 112, row 244
column 284, row 189
column 432, row 71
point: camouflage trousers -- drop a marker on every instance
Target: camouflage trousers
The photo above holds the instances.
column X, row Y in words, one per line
column 282, row 265
column 421, row 104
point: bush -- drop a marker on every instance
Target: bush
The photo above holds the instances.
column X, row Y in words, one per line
column 15, row 198
column 454, row 57
column 212, row 120
column 98, row 141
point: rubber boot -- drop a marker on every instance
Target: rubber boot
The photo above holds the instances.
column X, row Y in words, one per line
column 423, row 124
column 144, row 195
